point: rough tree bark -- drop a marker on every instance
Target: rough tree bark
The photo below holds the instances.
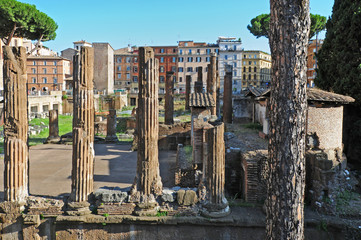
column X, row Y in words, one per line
column 289, row 30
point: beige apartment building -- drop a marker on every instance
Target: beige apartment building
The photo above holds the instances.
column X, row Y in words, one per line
column 256, row 69
column 192, row 55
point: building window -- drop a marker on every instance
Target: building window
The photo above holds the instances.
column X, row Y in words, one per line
column 250, row 62
column 225, row 57
column 180, row 59
column 174, row 50
column 45, row 80
column 44, row 70
column 235, row 57
column 255, row 69
column 226, row 47
column 174, row 68
column 190, row 59
column 244, row 56
column 161, row 79
column 244, row 76
column 55, row 70
column 208, row 59
column 55, row 80
column 180, row 69
column 45, row 108
column 34, row 63
column 174, row 78
column 127, row 59
column 255, row 56
column 161, row 50
column 255, row 62
column 180, row 79
column 216, row 50
column 234, row 73
column 180, row 51
column 33, row 80
column 174, row 59
column 119, row 75
column 135, row 69
column 161, row 69
column 255, row 77
column 135, row 59
column 135, row 78
column 33, row 70
column 244, row 69
column 44, row 63
column 119, row 59
column 249, row 69
column 128, row 68
column 55, row 63
column 198, row 59
column 208, row 51
column 190, row 51
column 235, row 64
column 162, row 59
column 234, row 47
column 244, row 62
column 128, row 76
column 249, row 77
column 198, row 51
column 119, row 68
column 189, row 69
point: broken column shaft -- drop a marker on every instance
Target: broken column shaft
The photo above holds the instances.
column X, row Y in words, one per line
column 16, row 157
column 53, row 127
column 169, row 104
column 148, row 179
column 212, row 80
column 216, row 204
column 227, row 95
column 188, row 90
column 112, row 126
column 198, row 85
column 218, row 92
column 83, row 126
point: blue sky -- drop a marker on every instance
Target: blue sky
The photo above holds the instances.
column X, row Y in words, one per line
column 158, row 22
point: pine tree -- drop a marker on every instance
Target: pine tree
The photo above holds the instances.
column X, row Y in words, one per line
column 339, row 58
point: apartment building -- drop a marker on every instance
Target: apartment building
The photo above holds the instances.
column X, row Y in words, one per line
column 313, row 47
column 256, row 66
column 192, row 55
column 167, row 56
column 230, row 53
column 46, row 73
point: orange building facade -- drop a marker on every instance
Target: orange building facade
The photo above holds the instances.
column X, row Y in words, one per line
column 313, row 47
column 47, row 73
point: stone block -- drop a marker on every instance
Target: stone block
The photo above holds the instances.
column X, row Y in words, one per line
column 31, row 219
column 187, row 197
column 168, row 195
column 110, row 196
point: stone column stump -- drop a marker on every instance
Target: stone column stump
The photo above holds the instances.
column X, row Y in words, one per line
column 53, row 127
column 227, row 95
column 169, row 104
column 112, row 126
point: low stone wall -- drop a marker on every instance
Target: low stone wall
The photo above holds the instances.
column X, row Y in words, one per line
column 172, row 135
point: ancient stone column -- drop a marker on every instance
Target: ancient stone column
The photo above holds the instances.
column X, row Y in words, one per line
column 188, row 90
column 16, row 157
column 198, row 85
column 212, row 80
column 83, row 126
column 169, row 104
column 216, row 204
column 147, row 181
column 227, row 95
column 218, row 92
column 53, row 127
column 112, row 126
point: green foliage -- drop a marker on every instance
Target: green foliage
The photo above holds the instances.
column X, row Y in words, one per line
column 161, row 214
column 322, row 226
column 126, row 108
column 340, row 56
column 24, row 20
column 189, row 153
column 254, row 126
column 259, row 26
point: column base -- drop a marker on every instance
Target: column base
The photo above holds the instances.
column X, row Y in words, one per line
column 52, row 140
column 215, row 210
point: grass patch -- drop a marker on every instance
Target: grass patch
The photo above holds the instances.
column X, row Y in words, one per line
column 254, row 126
column 162, row 214
column 65, row 126
column 127, row 108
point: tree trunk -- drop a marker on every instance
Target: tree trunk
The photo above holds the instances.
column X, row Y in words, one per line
column 289, row 31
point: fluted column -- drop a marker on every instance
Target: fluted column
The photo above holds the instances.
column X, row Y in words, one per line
column 148, row 181
column 16, row 157
column 218, row 92
column 227, row 95
column 212, row 80
column 169, row 104
column 216, row 204
column 83, row 126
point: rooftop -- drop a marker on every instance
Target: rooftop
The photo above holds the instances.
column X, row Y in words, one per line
column 201, row 100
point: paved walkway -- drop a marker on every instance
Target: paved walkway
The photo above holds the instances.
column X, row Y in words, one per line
column 115, row 166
